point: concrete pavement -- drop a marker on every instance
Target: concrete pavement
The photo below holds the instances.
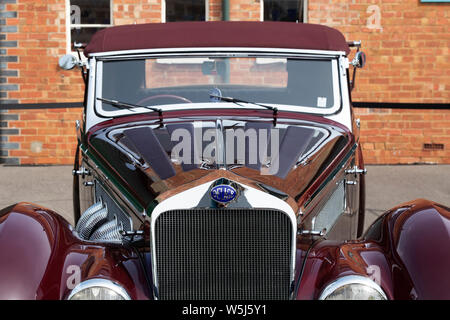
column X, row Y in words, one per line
column 48, row 186
column 386, row 186
column 389, row 186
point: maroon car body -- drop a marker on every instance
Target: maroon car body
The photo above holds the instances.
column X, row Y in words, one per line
column 149, row 226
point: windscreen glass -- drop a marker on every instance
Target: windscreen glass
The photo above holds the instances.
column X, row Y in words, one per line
column 175, row 80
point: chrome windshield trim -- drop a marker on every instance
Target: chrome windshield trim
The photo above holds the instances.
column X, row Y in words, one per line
column 215, row 49
column 335, row 66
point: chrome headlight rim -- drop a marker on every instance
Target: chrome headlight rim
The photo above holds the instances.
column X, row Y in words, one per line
column 99, row 282
column 349, row 280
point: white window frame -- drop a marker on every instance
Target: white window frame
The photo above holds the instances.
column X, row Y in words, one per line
column 336, row 111
column 163, row 10
column 305, row 11
column 70, row 25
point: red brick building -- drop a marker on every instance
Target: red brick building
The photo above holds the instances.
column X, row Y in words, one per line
column 406, row 82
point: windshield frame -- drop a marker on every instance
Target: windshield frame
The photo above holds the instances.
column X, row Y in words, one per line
column 222, row 52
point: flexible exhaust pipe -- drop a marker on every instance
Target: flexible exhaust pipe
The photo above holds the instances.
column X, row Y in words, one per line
column 108, row 232
column 87, row 214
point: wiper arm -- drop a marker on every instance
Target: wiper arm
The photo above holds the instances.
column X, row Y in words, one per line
column 129, row 106
column 238, row 101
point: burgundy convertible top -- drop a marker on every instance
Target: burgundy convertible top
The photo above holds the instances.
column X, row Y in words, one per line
column 268, row 34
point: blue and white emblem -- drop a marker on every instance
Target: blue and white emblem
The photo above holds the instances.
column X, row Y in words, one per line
column 223, row 193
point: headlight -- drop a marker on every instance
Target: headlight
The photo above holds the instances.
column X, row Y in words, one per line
column 353, row 288
column 98, row 289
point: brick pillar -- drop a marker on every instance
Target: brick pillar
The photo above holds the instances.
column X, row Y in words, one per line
column 215, row 10
column 8, row 29
column 245, row 10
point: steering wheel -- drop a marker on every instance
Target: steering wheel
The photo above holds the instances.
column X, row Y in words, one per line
column 162, row 96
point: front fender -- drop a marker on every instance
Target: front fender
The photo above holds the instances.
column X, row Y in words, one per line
column 416, row 238
column 329, row 260
column 405, row 251
column 42, row 258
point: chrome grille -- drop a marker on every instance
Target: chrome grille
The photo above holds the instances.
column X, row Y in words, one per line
column 215, row 254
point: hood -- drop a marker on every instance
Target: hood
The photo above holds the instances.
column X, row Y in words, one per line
column 156, row 160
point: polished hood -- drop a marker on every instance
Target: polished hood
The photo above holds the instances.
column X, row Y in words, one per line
column 157, row 159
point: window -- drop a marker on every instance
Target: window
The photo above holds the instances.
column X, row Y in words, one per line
column 86, row 18
column 185, row 10
column 285, row 10
column 283, row 82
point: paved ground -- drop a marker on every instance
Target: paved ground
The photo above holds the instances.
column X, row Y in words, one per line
column 387, row 186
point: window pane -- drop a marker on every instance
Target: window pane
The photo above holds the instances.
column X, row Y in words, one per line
column 185, row 10
column 278, row 81
column 283, row 10
column 175, row 72
column 90, row 11
column 82, row 35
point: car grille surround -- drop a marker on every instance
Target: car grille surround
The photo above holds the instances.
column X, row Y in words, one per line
column 223, row 254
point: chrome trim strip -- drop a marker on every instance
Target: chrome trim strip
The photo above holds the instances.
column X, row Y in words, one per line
column 353, row 279
column 220, row 145
column 226, row 49
column 91, row 117
column 100, row 283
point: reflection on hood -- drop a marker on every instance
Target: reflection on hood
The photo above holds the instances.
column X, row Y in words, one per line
column 179, row 155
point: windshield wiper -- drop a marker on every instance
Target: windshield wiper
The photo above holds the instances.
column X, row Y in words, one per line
column 239, row 101
column 130, row 106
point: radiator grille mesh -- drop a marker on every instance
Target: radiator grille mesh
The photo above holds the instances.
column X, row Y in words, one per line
column 220, row 254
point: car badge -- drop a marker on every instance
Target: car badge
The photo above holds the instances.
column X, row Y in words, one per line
column 223, row 193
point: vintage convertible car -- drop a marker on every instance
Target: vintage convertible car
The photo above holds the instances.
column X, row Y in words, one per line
column 221, row 160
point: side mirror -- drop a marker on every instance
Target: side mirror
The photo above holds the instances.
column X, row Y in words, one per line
column 68, row 62
column 359, row 61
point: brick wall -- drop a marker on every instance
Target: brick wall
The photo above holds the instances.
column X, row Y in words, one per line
column 35, row 37
column 406, row 43
column 132, row 11
column 407, row 46
column 405, row 136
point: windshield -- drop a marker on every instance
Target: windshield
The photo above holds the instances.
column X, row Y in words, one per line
column 299, row 82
